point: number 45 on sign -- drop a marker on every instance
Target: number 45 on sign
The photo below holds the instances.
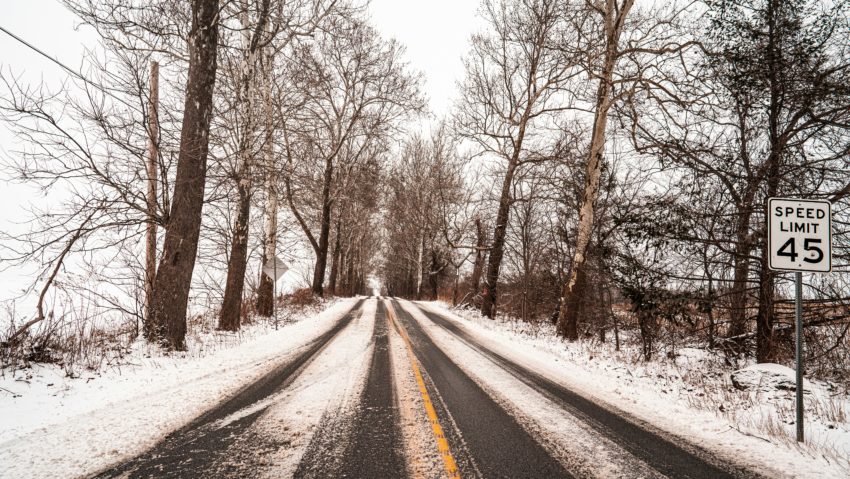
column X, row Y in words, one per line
column 800, row 235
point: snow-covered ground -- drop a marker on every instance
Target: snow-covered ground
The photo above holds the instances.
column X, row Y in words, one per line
column 56, row 426
column 689, row 396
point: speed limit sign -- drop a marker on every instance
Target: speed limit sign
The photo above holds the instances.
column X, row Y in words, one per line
column 799, row 235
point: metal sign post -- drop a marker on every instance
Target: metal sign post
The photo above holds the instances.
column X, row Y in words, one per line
column 275, row 269
column 799, row 238
column 798, row 353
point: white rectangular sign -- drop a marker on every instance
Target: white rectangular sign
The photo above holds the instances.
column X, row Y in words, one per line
column 799, row 235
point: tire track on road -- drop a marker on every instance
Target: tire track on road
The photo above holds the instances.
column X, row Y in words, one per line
column 376, row 446
column 487, row 436
column 192, row 449
column 658, row 451
column 372, row 449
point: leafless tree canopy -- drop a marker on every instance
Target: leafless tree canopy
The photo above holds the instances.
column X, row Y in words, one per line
column 605, row 168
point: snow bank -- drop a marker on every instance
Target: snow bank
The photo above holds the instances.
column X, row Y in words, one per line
column 767, row 377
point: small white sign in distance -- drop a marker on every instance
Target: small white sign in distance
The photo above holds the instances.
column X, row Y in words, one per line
column 799, row 235
column 275, row 268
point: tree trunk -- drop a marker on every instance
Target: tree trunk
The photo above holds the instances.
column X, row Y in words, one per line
column 740, row 281
column 174, row 274
column 231, row 306
column 322, row 251
column 744, row 243
column 335, row 260
column 765, row 350
column 361, row 283
column 710, row 313
column 433, row 280
column 574, row 287
column 420, row 253
column 765, row 317
column 497, row 248
column 265, row 293
column 455, row 288
column 342, row 284
column 150, row 235
column 478, row 266
column 349, row 275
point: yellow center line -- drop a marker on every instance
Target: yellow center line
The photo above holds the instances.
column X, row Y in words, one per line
column 439, row 436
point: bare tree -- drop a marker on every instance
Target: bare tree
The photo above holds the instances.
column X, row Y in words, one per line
column 246, row 99
column 739, row 122
column 614, row 14
column 357, row 91
column 514, row 78
column 90, row 142
column 174, row 274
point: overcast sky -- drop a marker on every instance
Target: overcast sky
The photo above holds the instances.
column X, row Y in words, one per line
column 435, row 32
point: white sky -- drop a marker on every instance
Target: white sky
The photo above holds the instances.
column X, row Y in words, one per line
column 436, row 34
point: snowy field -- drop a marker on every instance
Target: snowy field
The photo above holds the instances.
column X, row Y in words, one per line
column 751, row 427
column 57, row 426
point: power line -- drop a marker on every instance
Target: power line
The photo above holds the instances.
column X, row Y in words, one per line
column 67, row 68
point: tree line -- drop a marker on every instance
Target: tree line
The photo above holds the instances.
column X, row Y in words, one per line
column 606, row 164
column 628, row 151
column 206, row 134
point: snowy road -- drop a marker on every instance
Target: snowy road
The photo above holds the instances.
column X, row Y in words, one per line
column 397, row 390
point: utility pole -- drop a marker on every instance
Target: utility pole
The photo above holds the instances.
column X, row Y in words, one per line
column 153, row 155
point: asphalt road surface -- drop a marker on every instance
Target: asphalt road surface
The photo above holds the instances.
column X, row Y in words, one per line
column 194, row 450
column 388, row 414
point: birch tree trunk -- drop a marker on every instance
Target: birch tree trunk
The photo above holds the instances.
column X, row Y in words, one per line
column 231, row 307
column 265, row 293
column 614, row 19
column 420, row 253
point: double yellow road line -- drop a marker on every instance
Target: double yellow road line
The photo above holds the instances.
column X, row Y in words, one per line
column 442, row 443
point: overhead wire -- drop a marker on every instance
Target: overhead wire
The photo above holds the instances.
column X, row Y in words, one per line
column 68, row 69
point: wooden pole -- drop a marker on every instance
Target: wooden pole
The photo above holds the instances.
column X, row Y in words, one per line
column 153, row 155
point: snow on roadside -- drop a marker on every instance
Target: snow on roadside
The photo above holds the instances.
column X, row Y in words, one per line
column 55, row 426
column 645, row 390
